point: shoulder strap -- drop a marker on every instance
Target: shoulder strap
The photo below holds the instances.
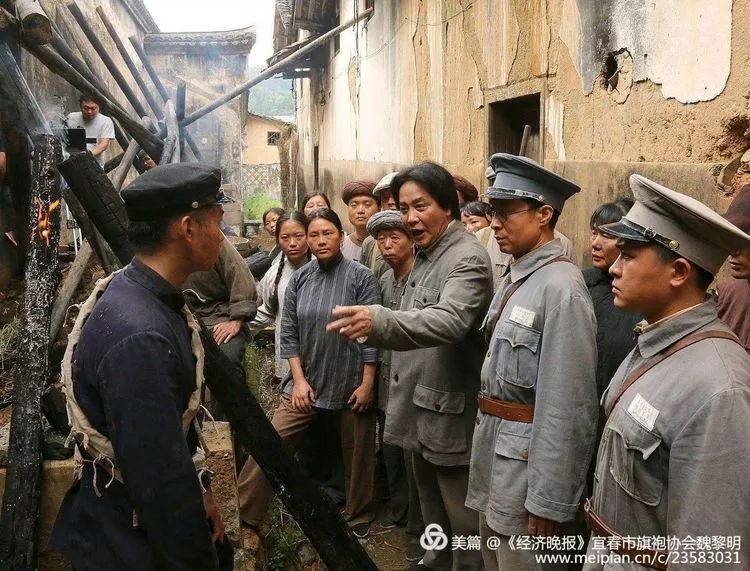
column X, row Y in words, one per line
column 511, row 289
column 668, row 352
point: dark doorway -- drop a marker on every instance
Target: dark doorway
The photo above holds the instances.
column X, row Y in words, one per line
column 507, row 121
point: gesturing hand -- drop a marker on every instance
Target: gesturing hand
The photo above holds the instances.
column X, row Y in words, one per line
column 353, row 321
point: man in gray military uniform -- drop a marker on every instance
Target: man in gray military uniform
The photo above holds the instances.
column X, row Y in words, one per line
column 437, row 355
column 536, row 425
column 675, row 454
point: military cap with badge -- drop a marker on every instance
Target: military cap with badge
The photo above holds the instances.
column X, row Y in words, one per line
column 517, row 178
column 680, row 223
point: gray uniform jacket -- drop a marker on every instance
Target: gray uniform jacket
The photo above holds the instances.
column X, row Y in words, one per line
column 437, row 348
column 542, row 352
column 674, row 459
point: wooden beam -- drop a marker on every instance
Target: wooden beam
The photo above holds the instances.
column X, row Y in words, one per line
column 162, row 90
column 17, row 104
column 148, row 96
column 311, row 25
column 34, row 21
column 109, row 63
column 18, row 537
column 68, row 289
column 274, row 69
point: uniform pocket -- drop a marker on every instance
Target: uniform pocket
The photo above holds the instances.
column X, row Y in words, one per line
column 509, row 485
column 636, row 459
column 441, row 426
column 518, row 359
column 513, row 439
column 425, row 296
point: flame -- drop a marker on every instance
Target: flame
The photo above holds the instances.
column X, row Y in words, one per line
column 42, row 217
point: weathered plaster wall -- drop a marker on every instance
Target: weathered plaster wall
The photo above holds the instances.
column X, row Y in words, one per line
column 426, row 74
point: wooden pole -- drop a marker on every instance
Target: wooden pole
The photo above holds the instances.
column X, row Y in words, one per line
column 119, row 175
column 68, row 289
column 17, row 104
column 34, row 21
column 313, row 511
column 102, row 250
column 18, row 538
column 173, row 132
column 107, row 59
column 148, row 66
column 525, row 140
column 179, row 108
column 274, row 69
column 148, row 96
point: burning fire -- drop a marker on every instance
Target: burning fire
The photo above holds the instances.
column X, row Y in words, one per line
column 42, row 217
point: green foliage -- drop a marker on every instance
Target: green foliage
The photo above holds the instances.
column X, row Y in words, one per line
column 284, row 539
column 273, row 97
column 257, row 204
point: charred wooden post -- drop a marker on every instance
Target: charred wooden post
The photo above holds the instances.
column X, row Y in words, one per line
column 20, row 509
column 148, row 66
column 101, row 201
column 34, row 21
column 313, row 511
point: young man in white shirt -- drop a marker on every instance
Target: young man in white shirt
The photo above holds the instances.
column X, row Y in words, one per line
column 100, row 129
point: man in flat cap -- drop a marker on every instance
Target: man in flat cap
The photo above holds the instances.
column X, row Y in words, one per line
column 674, row 457
column 132, row 374
column 437, row 354
column 370, row 255
column 734, row 293
column 536, row 424
column 397, row 248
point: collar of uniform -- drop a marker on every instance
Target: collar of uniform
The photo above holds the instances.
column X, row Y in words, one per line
column 531, row 262
column 152, row 281
column 434, row 249
column 666, row 332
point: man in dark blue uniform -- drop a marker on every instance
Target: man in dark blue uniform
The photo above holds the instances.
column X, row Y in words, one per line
column 132, row 376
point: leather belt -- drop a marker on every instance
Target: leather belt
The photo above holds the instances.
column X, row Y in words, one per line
column 652, row 558
column 515, row 411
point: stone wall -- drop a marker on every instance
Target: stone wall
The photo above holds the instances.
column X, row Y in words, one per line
column 614, row 87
